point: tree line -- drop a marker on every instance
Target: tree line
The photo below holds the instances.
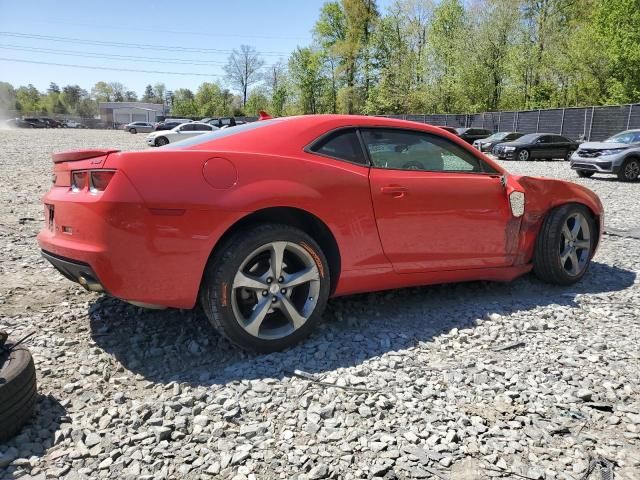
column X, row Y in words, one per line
column 417, row 56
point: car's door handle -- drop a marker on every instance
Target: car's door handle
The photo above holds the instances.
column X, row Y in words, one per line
column 396, row 191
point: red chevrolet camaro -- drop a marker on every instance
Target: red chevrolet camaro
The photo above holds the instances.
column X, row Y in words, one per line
column 262, row 223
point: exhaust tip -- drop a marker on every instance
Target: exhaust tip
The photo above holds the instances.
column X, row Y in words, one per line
column 90, row 284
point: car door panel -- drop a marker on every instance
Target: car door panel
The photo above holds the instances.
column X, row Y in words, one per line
column 430, row 221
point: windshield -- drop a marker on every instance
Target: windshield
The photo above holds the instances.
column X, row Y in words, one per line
column 497, row 136
column 625, row 137
column 222, row 133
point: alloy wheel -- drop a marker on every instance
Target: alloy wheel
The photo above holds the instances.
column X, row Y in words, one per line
column 575, row 244
column 632, row 170
column 523, row 155
column 275, row 290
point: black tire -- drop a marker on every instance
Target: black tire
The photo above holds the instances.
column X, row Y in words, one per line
column 133, row 130
column 630, row 170
column 567, row 157
column 18, row 390
column 585, row 173
column 160, row 141
column 547, row 263
column 217, row 291
column 522, row 155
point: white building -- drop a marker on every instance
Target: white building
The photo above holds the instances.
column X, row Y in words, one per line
column 121, row 113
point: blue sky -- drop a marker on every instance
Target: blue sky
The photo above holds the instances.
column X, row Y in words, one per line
column 71, row 32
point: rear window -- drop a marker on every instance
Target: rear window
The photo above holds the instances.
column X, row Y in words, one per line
column 222, row 133
column 343, row 145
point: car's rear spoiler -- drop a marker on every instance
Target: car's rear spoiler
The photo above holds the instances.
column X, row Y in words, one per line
column 75, row 155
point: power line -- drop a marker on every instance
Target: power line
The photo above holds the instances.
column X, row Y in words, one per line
column 172, row 32
column 80, row 41
column 74, row 53
column 109, row 68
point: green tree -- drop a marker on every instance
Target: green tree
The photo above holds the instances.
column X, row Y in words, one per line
column 305, row 67
column 184, row 104
column 8, row 100
column 102, row 92
column 28, row 99
column 256, row 102
column 617, row 23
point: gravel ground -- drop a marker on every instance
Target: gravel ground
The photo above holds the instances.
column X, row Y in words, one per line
column 472, row 381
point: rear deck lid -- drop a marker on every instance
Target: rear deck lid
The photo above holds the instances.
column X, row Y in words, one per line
column 76, row 155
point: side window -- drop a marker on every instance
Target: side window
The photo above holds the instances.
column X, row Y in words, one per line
column 544, row 139
column 343, row 145
column 409, row 150
column 187, row 127
column 559, row 139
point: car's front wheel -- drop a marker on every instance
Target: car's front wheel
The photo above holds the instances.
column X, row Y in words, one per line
column 160, row 141
column 133, row 130
column 266, row 288
column 523, row 155
column 630, row 170
column 565, row 244
column 585, row 173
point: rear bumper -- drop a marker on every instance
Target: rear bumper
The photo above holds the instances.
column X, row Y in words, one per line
column 119, row 245
column 75, row 271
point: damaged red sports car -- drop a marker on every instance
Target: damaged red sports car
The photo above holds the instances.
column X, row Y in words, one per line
column 262, row 223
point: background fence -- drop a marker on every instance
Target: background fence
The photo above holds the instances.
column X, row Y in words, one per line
column 592, row 123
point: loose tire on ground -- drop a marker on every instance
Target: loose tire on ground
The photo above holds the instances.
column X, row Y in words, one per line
column 230, row 307
column 553, row 260
column 18, row 391
column 630, row 170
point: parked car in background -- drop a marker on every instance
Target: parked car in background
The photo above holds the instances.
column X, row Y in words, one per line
column 17, row 123
column 449, row 129
column 224, row 122
column 536, row 146
column 36, row 122
column 472, row 134
column 618, row 155
column 135, row 127
column 169, row 124
column 51, row 123
column 180, row 132
column 255, row 222
column 73, row 124
column 487, row 144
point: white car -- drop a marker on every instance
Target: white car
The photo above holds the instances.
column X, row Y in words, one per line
column 186, row 130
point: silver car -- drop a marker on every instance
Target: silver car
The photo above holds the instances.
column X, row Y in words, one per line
column 618, row 155
column 135, row 127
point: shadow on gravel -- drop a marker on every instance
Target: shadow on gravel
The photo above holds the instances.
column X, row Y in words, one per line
column 174, row 345
column 36, row 436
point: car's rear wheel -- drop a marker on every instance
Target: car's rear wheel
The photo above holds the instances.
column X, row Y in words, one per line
column 266, row 288
column 565, row 245
column 585, row 173
column 160, row 141
column 133, row 130
column 567, row 157
column 630, row 170
column 523, row 155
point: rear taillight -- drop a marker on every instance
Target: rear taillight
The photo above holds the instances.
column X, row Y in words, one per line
column 79, row 180
column 100, row 179
column 95, row 180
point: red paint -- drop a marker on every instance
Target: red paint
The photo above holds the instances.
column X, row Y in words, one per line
column 393, row 228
